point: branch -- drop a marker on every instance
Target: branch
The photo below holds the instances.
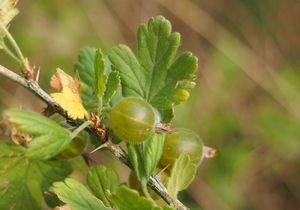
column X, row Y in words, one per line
column 116, row 150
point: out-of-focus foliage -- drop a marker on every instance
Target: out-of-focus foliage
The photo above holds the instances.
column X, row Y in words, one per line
column 251, row 117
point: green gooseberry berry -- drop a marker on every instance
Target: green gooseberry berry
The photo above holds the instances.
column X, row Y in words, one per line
column 180, row 141
column 75, row 148
column 132, row 120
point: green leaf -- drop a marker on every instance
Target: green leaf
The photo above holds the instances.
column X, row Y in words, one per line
column 128, row 199
column 24, row 181
column 153, row 74
column 112, row 85
column 85, row 68
column 76, row 195
column 133, row 80
column 136, row 159
column 153, row 152
column 103, row 181
column 100, row 76
column 144, row 157
column 166, row 115
column 17, row 196
column 49, row 138
column 96, row 85
column 182, row 174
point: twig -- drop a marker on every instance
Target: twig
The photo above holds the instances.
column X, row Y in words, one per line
column 116, row 150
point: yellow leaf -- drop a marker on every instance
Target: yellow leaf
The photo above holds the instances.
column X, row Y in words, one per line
column 68, row 95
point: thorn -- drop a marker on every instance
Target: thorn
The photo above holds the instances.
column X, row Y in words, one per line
column 37, row 75
column 100, row 147
column 162, row 170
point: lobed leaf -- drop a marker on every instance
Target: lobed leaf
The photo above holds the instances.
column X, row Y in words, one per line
column 76, row 195
column 67, row 94
column 103, row 182
column 17, row 196
column 49, row 138
column 96, row 84
column 153, row 74
column 133, row 80
column 23, row 181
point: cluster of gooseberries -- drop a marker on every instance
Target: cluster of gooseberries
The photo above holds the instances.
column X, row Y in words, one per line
column 133, row 120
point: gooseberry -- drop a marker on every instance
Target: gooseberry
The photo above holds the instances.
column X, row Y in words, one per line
column 132, row 120
column 180, row 141
column 75, row 148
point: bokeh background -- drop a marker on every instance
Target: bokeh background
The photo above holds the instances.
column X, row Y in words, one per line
column 246, row 104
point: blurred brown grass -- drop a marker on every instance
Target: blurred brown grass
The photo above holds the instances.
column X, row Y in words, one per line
column 247, row 100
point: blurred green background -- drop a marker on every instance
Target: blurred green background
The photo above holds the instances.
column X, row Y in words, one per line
column 246, row 104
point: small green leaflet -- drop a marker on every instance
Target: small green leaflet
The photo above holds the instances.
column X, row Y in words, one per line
column 85, row 68
column 49, row 138
column 152, row 73
column 144, row 157
column 103, row 182
column 96, row 86
column 182, row 174
column 76, row 195
column 128, row 199
column 153, row 152
column 100, row 76
column 112, row 85
column 24, row 181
